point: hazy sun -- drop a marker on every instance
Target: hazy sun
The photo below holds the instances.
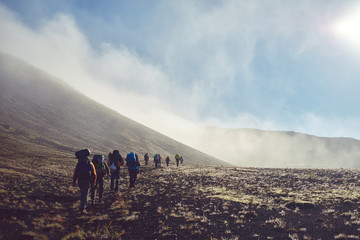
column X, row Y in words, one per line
column 348, row 27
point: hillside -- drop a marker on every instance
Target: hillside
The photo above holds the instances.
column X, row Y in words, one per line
column 259, row 148
column 39, row 113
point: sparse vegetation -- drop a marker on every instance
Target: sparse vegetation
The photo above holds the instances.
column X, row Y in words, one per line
column 186, row 202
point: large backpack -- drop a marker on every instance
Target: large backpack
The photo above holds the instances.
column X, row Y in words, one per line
column 131, row 160
column 98, row 161
column 84, row 169
column 156, row 158
column 82, row 153
column 116, row 160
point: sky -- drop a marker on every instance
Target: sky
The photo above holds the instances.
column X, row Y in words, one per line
column 177, row 66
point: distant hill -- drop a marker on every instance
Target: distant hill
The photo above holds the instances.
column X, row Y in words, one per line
column 41, row 114
column 259, row 148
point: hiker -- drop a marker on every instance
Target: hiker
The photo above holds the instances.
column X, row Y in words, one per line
column 159, row 160
column 85, row 174
column 181, row 159
column 102, row 170
column 167, row 160
column 115, row 162
column 156, row 160
column 177, row 158
column 133, row 164
column 146, row 158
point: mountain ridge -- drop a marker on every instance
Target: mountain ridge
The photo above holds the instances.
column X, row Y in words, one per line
column 40, row 109
column 263, row 148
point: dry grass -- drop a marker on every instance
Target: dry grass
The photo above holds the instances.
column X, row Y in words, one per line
column 185, row 202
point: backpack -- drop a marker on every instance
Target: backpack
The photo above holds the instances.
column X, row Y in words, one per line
column 82, row 153
column 84, row 169
column 156, row 157
column 177, row 156
column 114, row 159
column 98, row 161
column 131, row 160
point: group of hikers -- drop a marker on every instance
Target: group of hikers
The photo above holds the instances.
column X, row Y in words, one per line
column 157, row 159
column 90, row 174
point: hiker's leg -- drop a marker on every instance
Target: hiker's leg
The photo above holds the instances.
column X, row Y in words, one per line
column 135, row 176
column 132, row 174
column 112, row 180
column 101, row 187
column 84, row 190
column 117, row 179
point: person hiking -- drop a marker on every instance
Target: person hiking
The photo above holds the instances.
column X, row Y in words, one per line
column 156, row 160
column 102, row 170
column 181, row 159
column 159, row 160
column 167, row 160
column 177, row 158
column 115, row 162
column 133, row 164
column 85, row 174
column 146, row 158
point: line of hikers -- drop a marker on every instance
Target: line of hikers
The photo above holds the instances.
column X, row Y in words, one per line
column 157, row 159
column 90, row 174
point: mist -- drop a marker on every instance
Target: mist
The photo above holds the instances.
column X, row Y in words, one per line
column 258, row 148
column 166, row 94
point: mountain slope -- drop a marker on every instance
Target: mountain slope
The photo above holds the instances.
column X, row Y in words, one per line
column 39, row 111
column 259, row 148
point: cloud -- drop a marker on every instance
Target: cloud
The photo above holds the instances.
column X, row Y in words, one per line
column 232, row 64
column 115, row 77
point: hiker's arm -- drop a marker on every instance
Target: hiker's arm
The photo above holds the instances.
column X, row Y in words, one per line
column 137, row 160
column 121, row 162
column 93, row 173
column 107, row 169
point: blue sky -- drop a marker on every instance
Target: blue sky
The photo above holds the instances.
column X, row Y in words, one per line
column 272, row 65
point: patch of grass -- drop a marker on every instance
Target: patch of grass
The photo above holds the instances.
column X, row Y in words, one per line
column 102, row 232
column 34, row 235
column 55, row 227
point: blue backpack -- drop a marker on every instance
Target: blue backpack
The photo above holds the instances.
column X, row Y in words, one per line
column 131, row 160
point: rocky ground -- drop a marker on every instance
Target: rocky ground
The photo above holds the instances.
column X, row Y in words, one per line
column 188, row 202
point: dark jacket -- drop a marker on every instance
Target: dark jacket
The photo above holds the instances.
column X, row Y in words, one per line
column 90, row 171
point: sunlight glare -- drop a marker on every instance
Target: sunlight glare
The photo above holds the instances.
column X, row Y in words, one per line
column 347, row 28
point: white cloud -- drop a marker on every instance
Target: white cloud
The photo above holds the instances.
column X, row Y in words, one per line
column 112, row 76
column 204, row 53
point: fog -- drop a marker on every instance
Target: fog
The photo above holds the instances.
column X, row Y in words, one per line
column 258, row 148
column 161, row 97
